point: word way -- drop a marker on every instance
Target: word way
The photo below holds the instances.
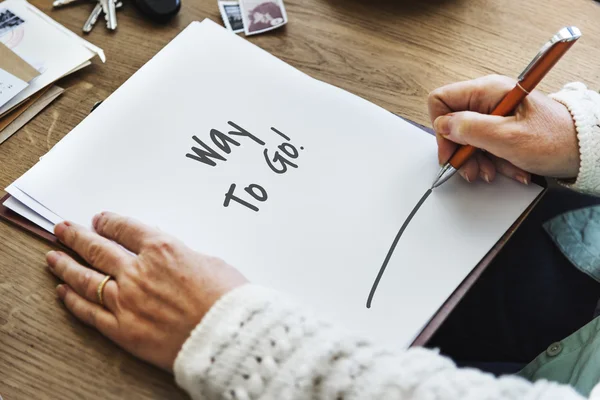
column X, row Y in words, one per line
column 279, row 161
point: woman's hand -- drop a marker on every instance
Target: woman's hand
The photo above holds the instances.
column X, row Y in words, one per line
column 540, row 138
column 158, row 294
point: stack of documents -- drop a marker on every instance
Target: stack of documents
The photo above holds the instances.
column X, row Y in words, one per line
column 15, row 74
column 300, row 185
column 35, row 51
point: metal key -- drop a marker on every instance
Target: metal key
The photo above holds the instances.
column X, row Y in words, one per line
column 93, row 18
column 91, row 21
column 104, row 5
column 62, row 3
column 111, row 15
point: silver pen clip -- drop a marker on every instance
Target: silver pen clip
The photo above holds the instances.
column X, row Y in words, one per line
column 566, row 34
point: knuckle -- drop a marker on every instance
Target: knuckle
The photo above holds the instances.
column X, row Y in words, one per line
column 110, row 292
column 461, row 126
column 135, row 339
column 72, row 237
column 500, row 80
column 479, row 95
column 482, row 87
column 89, row 315
column 128, row 299
column 86, row 281
column 434, row 95
column 136, row 278
column 143, row 283
column 94, row 253
column 119, row 229
column 479, row 91
column 165, row 245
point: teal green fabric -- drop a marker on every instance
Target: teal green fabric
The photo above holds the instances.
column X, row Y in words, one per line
column 575, row 360
column 577, row 234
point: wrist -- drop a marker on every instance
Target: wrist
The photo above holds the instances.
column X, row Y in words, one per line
column 584, row 108
column 568, row 154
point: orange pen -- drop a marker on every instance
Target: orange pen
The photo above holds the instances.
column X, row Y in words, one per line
column 543, row 62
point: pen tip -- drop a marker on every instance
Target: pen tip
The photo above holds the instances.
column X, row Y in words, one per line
column 444, row 174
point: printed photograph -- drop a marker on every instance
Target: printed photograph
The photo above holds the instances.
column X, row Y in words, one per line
column 234, row 16
column 8, row 21
column 264, row 15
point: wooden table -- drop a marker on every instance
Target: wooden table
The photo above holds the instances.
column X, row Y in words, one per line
column 389, row 52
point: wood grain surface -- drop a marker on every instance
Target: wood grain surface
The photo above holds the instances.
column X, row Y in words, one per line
column 389, row 52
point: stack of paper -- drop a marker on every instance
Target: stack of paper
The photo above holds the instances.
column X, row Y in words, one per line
column 300, row 185
column 45, row 52
column 15, row 74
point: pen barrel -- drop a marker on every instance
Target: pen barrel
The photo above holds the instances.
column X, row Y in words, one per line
column 510, row 101
column 529, row 80
column 545, row 64
column 504, row 108
column 461, row 155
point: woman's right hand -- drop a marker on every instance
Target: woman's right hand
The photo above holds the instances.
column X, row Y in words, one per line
column 540, row 138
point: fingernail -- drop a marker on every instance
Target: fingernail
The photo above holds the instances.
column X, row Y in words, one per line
column 486, row 178
column 61, row 290
column 522, row 179
column 441, row 125
column 51, row 257
column 95, row 220
column 60, row 228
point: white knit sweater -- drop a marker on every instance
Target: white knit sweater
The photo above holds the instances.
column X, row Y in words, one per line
column 255, row 344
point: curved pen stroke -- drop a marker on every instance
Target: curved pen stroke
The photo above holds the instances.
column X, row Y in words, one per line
column 391, row 251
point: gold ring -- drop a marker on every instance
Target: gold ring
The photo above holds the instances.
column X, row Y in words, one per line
column 101, row 289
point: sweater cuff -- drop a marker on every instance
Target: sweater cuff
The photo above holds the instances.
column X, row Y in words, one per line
column 584, row 106
column 215, row 354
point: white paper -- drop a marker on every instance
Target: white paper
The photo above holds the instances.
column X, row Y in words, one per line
column 21, row 209
column 32, row 204
column 49, row 49
column 10, row 86
column 48, row 97
column 70, row 34
column 326, row 227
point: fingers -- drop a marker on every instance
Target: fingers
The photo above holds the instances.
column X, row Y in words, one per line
column 84, row 281
column 101, row 253
column 470, row 170
column 478, row 166
column 486, row 166
column 89, row 313
column 488, row 132
column 509, row 170
column 128, row 232
column 487, row 170
column 480, row 95
column 445, row 148
column 459, row 113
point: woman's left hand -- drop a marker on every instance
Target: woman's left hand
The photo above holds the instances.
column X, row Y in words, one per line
column 159, row 292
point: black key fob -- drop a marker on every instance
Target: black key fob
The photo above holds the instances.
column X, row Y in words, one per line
column 158, row 10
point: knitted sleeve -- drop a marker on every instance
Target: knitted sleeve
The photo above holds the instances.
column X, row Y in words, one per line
column 255, row 344
column 584, row 106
